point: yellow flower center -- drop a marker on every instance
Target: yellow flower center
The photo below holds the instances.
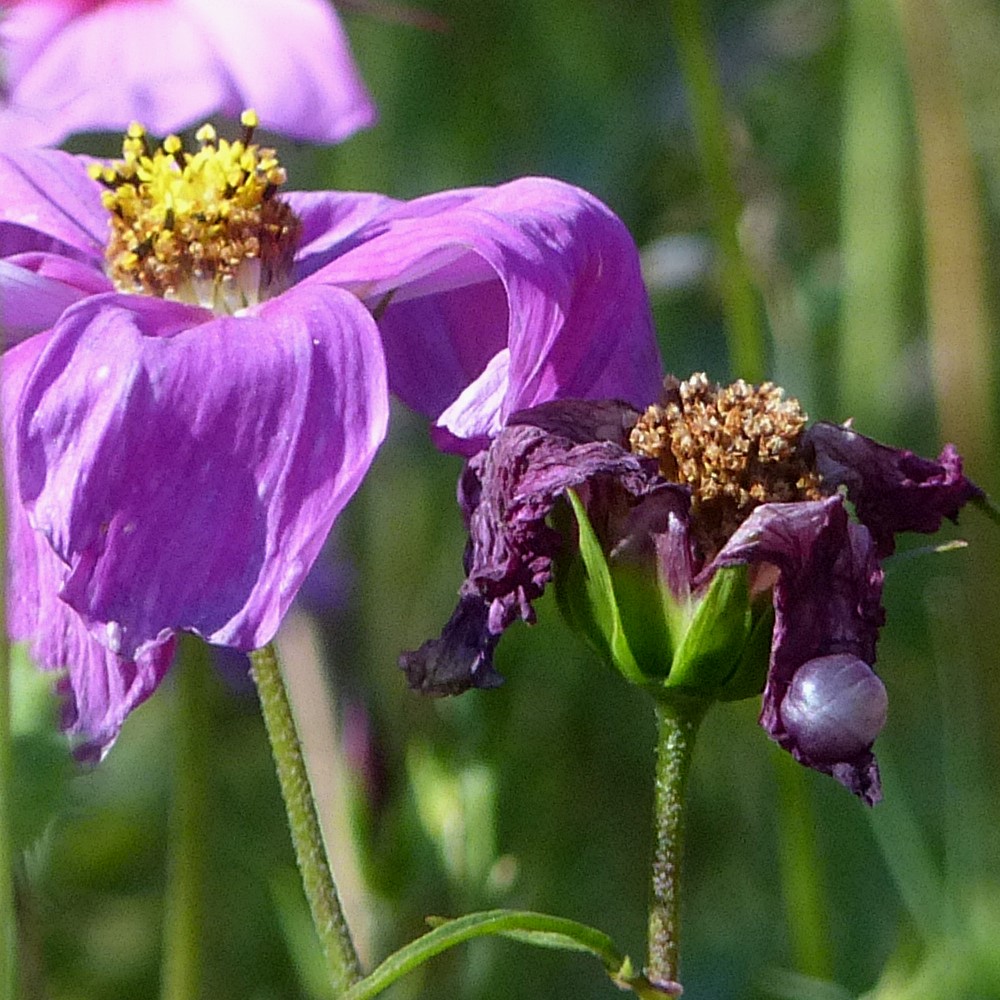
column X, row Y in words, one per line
column 736, row 446
column 203, row 227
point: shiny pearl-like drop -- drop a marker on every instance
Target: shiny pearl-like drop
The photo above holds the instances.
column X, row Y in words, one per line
column 834, row 707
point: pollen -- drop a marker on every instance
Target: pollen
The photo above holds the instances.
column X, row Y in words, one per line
column 735, row 446
column 203, row 226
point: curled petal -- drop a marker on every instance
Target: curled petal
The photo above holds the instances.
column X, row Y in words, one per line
column 100, row 688
column 536, row 268
column 892, row 489
column 205, row 457
column 827, row 600
column 332, row 223
column 31, row 302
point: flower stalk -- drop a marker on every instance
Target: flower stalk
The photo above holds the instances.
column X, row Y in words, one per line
column 342, row 963
column 185, row 913
column 677, row 720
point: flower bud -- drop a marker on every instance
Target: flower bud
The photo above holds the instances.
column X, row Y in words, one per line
column 834, row 708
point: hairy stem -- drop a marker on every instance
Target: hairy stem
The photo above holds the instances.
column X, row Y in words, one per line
column 310, row 853
column 677, row 723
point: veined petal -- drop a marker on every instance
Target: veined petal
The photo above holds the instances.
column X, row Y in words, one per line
column 100, row 687
column 537, row 267
column 188, row 474
column 47, row 198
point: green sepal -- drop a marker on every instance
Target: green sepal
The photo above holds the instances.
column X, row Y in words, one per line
column 587, row 598
column 716, row 646
column 717, row 631
column 748, row 679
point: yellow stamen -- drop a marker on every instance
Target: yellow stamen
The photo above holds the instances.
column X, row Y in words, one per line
column 204, row 227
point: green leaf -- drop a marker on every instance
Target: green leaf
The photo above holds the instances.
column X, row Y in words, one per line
column 537, row 929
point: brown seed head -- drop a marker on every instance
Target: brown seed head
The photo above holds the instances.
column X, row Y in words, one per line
column 736, row 446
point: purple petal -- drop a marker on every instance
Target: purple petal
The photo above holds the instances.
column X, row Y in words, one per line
column 30, row 302
column 310, row 88
column 504, row 298
column 892, row 490
column 173, row 63
column 332, row 223
column 189, row 471
column 827, row 600
column 48, row 202
column 506, row 494
column 100, row 687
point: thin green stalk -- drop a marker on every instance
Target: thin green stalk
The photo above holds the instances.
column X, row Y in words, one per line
column 310, row 853
column 876, row 212
column 677, row 721
column 8, row 913
column 744, row 327
column 183, row 928
column 801, row 871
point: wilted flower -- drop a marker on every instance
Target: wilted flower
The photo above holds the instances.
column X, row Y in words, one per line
column 696, row 519
column 90, row 65
column 188, row 408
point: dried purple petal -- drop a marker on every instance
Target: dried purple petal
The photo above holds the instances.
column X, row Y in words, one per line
column 506, row 494
column 892, row 489
column 827, row 600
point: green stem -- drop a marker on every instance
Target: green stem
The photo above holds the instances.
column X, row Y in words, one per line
column 183, row 928
column 744, row 327
column 8, row 913
column 317, row 879
column 677, row 723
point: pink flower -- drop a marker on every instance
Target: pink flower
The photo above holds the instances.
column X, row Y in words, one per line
column 89, row 65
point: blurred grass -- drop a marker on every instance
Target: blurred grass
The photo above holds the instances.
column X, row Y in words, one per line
column 847, row 132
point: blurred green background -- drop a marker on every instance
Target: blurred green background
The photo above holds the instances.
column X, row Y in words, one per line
column 866, row 145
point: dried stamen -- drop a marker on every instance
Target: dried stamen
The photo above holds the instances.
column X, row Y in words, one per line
column 736, row 446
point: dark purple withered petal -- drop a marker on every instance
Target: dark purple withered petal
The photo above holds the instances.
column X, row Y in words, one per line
column 892, row 489
column 461, row 658
column 506, row 494
column 827, row 600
